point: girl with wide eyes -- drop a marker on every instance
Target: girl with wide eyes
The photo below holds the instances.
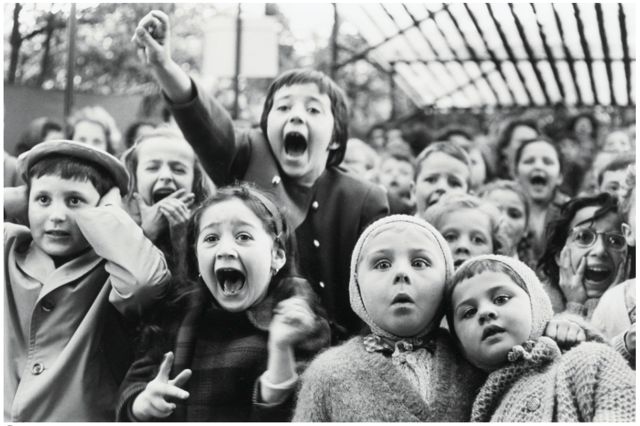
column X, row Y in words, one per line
column 226, row 343
column 586, row 254
column 166, row 184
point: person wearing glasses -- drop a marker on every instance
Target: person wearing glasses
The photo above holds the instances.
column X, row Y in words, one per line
column 585, row 255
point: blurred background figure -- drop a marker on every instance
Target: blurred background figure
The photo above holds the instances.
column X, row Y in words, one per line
column 94, row 126
column 137, row 129
column 361, row 159
column 39, row 130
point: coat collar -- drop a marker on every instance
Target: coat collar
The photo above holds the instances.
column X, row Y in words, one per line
column 37, row 264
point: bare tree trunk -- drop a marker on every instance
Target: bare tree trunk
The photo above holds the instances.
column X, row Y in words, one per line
column 44, row 65
column 16, row 42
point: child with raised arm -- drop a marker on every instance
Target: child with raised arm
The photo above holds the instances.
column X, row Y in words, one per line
column 73, row 279
column 229, row 340
column 497, row 310
column 294, row 156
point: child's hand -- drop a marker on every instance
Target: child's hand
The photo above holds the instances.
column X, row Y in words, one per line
column 176, row 209
column 111, row 198
column 152, row 38
column 621, row 273
column 293, row 320
column 566, row 333
column 153, row 403
column 630, row 339
column 571, row 283
column 152, row 221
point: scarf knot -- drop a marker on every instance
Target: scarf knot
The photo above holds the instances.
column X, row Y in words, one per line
column 399, row 350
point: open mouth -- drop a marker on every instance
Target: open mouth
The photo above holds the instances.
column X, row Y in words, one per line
column 402, row 298
column 231, row 281
column 597, row 273
column 295, row 144
column 161, row 194
column 491, row 330
column 539, row 181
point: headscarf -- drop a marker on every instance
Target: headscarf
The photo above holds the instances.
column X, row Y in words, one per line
column 541, row 309
column 354, row 286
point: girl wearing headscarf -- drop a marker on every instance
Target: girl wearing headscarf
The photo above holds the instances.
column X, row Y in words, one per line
column 498, row 312
column 406, row 369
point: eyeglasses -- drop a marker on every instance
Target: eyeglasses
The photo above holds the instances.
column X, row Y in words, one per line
column 585, row 237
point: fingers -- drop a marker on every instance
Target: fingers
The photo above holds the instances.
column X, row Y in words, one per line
column 142, row 204
column 175, row 211
column 581, row 267
column 181, row 378
column 165, row 367
column 582, row 336
column 551, row 330
column 296, row 312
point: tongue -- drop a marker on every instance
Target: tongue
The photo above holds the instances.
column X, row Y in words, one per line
column 232, row 286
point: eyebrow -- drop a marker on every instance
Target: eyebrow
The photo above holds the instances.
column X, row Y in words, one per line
column 306, row 98
column 234, row 222
column 468, row 300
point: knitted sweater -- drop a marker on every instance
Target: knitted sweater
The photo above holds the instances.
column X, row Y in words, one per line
column 590, row 383
column 349, row 384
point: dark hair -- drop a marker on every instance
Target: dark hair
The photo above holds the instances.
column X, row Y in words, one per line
column 504, row 137
column 130, row 160
column 132, row 131
column 271, row 217
column 72, row 168
column 448, row 148
column 339, row 107
column 35, row 133
column 539, row 139
column 620, row 162
column 470, row 270
column 400, row 155
column 558, row 230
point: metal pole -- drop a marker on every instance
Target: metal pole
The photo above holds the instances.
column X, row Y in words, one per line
column 334, row 42
column 392, row 89
column 68, row 93
column 236, row 82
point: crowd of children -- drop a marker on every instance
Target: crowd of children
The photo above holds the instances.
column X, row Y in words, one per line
column 198, row 272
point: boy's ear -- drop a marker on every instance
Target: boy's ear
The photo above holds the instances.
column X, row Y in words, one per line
column 628, row 234
column 278, row 258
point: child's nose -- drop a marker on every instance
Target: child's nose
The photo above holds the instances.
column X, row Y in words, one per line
column 487, row 313
column 57, row 213
column 165, row 173
column 225, row 249
column 402, row 278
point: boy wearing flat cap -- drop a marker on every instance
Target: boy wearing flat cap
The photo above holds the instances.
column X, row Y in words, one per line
column 73, row 279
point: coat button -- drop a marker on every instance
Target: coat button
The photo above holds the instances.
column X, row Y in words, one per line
column 321, row 284
column 316, row 243
column 37, row 368
column 48, row 305
column 533, row 404
column 314, row 205
column 275, row 180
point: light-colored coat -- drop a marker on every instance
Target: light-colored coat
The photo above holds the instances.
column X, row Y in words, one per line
column 56, row 366
column 349, row 384
column 590, row 383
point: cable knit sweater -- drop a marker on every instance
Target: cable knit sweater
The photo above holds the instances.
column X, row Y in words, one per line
column 590, row 383
column 349, row 384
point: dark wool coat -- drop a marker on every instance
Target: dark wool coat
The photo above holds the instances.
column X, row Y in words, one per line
column 227, row 353
column 338, row 206
column 349, row 384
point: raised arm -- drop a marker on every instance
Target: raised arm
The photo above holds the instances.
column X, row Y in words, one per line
column 204, row 122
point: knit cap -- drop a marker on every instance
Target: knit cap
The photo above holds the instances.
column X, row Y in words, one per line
column 354, row 286
column 541, row 309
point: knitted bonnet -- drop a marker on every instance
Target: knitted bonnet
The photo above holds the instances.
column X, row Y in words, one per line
column 541, row 310
column 354, row 286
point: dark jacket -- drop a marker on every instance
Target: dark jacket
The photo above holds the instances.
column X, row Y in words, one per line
column 338, row 206
column 227, row 353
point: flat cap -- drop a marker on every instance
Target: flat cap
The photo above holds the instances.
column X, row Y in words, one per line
column 74, row 149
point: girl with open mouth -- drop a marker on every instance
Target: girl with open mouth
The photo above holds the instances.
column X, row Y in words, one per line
column 225, row 343
column 166, row 184
column 586, row 254
column 539, row 171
